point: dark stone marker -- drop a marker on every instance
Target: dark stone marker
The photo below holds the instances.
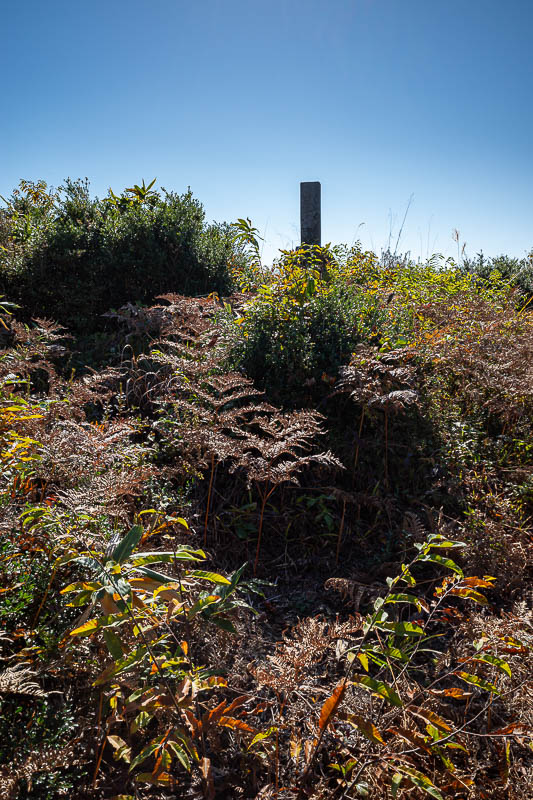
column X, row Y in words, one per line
column 310, row 223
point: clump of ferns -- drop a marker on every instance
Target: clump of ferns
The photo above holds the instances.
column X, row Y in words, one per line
column 277, row 449
column 379, row 382
column 219, row 417
column 28, row 352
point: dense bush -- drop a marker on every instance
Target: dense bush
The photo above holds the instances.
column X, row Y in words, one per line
column 307, row 316
column 517, row 272
column 304, row 322
column 70, row 257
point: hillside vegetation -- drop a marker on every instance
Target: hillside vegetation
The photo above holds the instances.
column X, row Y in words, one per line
column 265, row 533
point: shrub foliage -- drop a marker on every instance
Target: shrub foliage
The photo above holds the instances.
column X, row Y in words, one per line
column 282, row 546
column 70, row 257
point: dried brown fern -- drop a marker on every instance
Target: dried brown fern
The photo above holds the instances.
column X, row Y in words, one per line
column 20, row 680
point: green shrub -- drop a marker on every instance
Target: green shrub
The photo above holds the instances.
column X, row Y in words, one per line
column 306, row 322
column 67, row 256
column 516, row 272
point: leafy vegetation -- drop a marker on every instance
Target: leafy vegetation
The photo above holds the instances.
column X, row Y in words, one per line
column 279, row 544
column 69, row 257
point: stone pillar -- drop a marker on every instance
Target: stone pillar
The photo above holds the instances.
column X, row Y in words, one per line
column 310, row 222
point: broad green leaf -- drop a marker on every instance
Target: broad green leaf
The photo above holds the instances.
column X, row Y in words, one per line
column 82, row 586
column 92, row 625
column 400, row 628
column 223, row 623
column 145, row 753
column 214, row 577
column 397, row 778
column 127, row 545
column 152, row 558
column 420, row 780
column 201, row 604
column 402, row 597
column 122, row 664
column 456, row 746
column 379, row 688
column 475, row 680
column 443, row 561
column 488, row 658
column 153, row 575
column 180, row 754
column 81, row 599
column 437, row 540
column 141, row 720
column 114, row 645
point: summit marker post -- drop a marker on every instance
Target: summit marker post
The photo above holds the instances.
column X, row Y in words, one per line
column 310, row 212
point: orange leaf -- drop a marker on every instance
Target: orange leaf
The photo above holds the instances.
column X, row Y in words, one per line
column 455, row 692
column 330, row 706
column 211, row 717
column 235, row 724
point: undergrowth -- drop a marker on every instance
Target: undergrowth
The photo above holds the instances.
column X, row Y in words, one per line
column 280, row 546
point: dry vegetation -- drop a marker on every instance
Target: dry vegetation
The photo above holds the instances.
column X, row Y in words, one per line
column 211, row 592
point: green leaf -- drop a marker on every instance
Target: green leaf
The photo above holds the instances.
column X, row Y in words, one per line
column 383, row 689
column 420, row 780
column 400, row 628
column 438, row 540
column 475, row 680
column 443, row 561
column 214, row 577
column 81, row 599
column 145, row 753
column 402, row 597
column 223, row 623
column 114, row 645
column 127, row 545
column 182, row 554
column 152, row 558
column 397, row 778
column 201, row 604
column 180, row 754
column 122, row 664
column 93, row 625
column 155, row 576
column 488, row 658
column 141, row 720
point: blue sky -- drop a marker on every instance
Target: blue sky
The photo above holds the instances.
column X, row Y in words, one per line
column 377, row 99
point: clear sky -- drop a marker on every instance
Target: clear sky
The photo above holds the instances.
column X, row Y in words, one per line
column 243, row 99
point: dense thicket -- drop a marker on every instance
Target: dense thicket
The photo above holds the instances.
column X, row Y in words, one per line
column 70, row 257
column 281, row 546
